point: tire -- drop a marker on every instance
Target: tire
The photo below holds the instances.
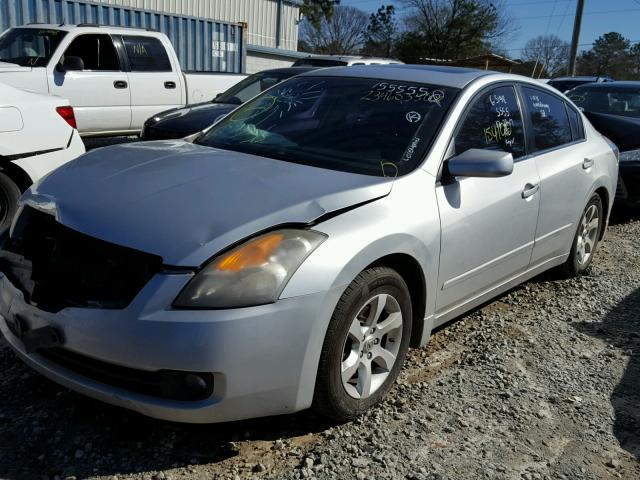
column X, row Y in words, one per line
column 381, row 338
column 586, row 239
column 9, row 195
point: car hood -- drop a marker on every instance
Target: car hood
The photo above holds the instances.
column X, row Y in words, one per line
column 204, row 110
column 186, row 202
column 12, row 67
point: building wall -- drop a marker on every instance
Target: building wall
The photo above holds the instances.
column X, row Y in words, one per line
column 256, row 62
column 260, row 15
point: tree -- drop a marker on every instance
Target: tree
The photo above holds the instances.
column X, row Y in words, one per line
column 343, row 33
column 452, row 29
column 315, row 10
column 381, row 32
column 610, row 55
column 549, row 55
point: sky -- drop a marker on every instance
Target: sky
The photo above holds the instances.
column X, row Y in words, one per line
column 553, row 17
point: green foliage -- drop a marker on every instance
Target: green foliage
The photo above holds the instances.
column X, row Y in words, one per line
column 381, row 32
column 612, row 55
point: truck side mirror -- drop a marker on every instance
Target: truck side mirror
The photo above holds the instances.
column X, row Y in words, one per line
column 70, row 64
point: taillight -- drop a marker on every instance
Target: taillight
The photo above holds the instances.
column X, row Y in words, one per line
column 68, row 115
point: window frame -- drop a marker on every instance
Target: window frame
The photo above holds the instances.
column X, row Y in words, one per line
column 125, row 54
column 113, row 42
column 531, row 136
column 463, row 117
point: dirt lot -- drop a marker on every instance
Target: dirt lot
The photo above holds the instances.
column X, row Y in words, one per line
column 543, row 383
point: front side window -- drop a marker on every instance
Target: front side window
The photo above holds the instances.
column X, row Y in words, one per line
column 493, row 122
column 360, row 125
column 250, row 87
column 29, row 47
column 96, row 51
column 549, row 119
column 146, row 54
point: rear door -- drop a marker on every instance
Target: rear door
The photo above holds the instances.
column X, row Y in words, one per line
column 565, row 165
column 154, row 80
column 100, row 92
column 487, row 224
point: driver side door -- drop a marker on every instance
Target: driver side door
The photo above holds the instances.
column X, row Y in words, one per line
column 488, row 225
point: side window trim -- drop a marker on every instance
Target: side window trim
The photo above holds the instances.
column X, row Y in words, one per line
column 122, row 54
column 113, row 42
column 469, row 106
column 529, row 125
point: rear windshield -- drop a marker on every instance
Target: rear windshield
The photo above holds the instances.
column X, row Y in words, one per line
column 250, row 87
column 318, row 62
column 611, row 100
column 564, row 85
column 359, row 125
column 29, row 47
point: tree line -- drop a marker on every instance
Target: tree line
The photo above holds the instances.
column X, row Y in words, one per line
column 431, row 30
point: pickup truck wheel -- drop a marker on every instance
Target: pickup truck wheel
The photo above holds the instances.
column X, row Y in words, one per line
column 365, row 345
column 9, row 195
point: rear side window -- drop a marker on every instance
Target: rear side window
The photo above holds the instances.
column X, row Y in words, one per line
column 493, row 122
column 549, row 119
column 577, row 131
column 146, row 54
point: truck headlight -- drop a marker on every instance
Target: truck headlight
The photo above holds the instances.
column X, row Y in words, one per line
column 254, row 273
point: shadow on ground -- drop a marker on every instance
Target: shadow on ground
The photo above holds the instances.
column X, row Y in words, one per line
column 621, row 329
column 46, row 430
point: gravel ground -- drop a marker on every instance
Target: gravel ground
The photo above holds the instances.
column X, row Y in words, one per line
column 543, row 383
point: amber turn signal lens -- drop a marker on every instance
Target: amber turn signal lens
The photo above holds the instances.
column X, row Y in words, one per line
column 253, row 254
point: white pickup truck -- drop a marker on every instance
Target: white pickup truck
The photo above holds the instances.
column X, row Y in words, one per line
column 115, row 78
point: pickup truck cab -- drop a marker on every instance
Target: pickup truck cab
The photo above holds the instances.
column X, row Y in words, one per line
column 115, row 78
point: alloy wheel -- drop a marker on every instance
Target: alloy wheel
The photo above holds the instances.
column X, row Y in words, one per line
column 587, row 234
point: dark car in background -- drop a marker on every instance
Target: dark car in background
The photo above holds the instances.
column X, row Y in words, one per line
column 185, row 121
column 564, row 84
column 614, row 110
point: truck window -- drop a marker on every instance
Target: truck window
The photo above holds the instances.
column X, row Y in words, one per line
column 29, row 47
column 146, row 54
column 96, row 51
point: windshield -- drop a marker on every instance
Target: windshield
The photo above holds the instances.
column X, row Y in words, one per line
column 250, row 87
column 611, row 100
column 359, row 125
column 29, row 47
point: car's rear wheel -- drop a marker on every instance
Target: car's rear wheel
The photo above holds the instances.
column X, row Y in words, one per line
column 365, row 346
column 9, row 195
column 586, row 238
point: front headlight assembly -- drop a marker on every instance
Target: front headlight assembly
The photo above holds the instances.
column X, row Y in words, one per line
column 253, row 273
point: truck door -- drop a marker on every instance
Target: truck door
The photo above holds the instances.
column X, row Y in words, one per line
column 99, row 93
column 155, row 83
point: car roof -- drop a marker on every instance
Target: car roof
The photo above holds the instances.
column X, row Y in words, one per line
column 578, row 79
column 348, row 58
column 291, row 70
column 457, row 77
column 618, row 84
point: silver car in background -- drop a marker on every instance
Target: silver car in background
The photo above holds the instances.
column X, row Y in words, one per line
column 289, row 256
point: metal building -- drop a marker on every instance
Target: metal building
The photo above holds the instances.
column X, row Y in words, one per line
column 271, row 25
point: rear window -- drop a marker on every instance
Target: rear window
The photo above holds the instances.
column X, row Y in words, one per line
column 318, row 62
column 549, row 119
column 146, row 54
column 611, row 100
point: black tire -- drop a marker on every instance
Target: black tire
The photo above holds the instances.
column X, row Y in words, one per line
column 9, row 195
column 573, row 266
column 330, row 396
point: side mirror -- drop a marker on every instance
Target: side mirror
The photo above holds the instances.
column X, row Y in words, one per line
column 477, row 162
column 70, row 64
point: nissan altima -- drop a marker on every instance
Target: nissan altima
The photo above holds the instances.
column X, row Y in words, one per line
column 288, row 256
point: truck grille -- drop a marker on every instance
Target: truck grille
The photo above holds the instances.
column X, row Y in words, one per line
column 57, row 267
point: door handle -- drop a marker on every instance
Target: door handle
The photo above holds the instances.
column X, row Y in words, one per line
column 169, row 84
column 530, row 189
column 587, row 163
column 120, row 84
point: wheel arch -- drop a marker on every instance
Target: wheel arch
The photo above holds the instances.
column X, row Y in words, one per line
column 20, row 177
column 603, row 193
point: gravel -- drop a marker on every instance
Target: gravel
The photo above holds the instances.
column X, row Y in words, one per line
column 543, row 383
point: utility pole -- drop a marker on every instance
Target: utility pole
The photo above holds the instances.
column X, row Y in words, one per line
column 576, row 37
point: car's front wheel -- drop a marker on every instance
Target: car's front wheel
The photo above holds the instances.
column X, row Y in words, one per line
column 586, row 238
column 9, row 195
column 365, row 346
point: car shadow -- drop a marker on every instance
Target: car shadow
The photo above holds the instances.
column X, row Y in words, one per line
column 622, row 214
column 47, row 430
column 621, row 329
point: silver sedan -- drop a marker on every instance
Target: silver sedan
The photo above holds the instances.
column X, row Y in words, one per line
column 288, row 256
